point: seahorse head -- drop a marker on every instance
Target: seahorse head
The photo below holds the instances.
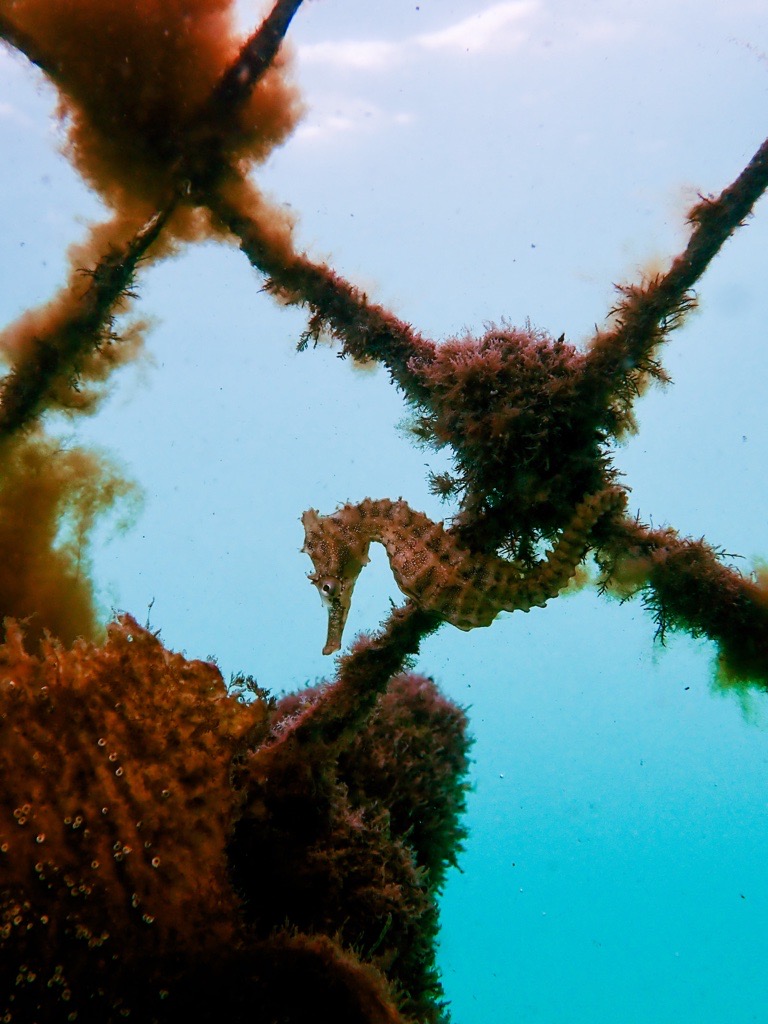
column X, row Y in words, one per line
column 338, row 552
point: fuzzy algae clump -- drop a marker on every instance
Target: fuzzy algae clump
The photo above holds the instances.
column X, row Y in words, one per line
column 138, row 880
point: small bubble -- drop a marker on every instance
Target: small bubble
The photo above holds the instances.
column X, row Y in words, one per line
column 40, row 838
column 104, row 810
column 4, row 848
column 113, row 756
column 155, row 862
column 94, row 864
column 101, row 741
column 166, row 793
column 119, row 772
column 147, row 918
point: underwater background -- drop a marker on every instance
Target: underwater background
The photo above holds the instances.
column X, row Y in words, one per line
column 466, row 162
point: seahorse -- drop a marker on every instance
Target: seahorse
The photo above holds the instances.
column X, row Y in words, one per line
column 432, row 568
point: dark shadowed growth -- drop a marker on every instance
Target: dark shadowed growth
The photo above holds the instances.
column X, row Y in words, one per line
column 412, row 760
column 378, row 826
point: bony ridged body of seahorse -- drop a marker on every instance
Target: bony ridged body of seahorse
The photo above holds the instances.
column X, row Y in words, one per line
column 432, row 568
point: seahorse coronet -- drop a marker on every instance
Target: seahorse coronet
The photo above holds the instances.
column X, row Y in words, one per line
column 431, row 566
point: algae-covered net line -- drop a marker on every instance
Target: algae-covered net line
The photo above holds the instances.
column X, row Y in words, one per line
column 204, row 849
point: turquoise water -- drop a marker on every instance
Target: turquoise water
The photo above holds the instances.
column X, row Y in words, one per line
column 613, row 872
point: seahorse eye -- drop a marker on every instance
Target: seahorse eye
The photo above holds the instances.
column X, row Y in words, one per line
column 328, row 588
